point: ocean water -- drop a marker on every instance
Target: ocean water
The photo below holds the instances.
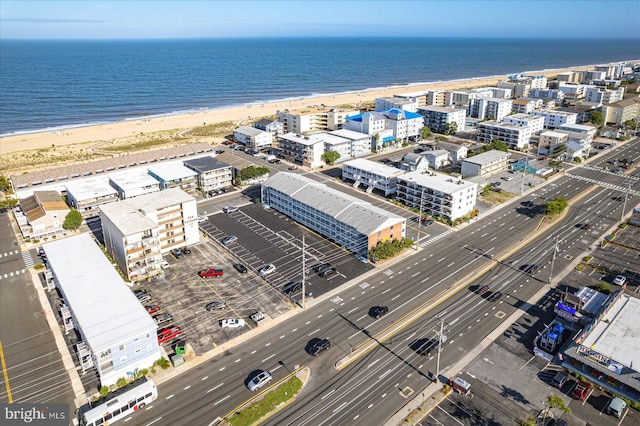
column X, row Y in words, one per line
column 51, row 84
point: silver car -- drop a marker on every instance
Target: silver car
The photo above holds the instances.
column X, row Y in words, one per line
column 259, row 381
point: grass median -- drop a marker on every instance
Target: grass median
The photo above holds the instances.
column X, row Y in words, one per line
column 271, row 400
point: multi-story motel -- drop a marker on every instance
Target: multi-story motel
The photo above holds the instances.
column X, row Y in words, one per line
column 555, row 118
column 118, row 337
column 486, row 164
column 436, row 117
column 350, row 222
column 42, row 214
column 536, row 124
column 554, row 94
column 601, row 95
column 305, row 150
column 358, row 144
column 314, row 119
column 606, row 351
column 134, row 182
column 402, row 124
column 212, row 173
column 372, row 174
column 401, row 103
column 621, row 111
column 137, row 231
column 582, row 134
column 437, row 195
column 253, row 137
column 88, row 194
column 496, row 108
column 174, row 175
column 515, row 136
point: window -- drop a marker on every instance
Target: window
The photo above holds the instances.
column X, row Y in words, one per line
column 121, row 347
column 123, row 359
column 138, row 351
column 135, row 339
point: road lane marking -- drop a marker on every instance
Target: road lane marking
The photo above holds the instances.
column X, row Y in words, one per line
column 353, row 310
column 395, row 297
column 268, row 358
column 362, row 317
column 156, row 420
column 215, row 387
column 6, row 375
column 187, row 387
column 220, row 400
column 330, row 392
column 268, row 344
column 340, row 407
column 313, row 332
column 222, row 368
column 170, row 396
column 386, row 291
column 237, row 360
column 282, row 337
column 205, row 378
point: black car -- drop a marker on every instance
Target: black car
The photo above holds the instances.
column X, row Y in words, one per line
column 216, row 306
column 378, row 311
column 240, row 268
column 482, row 290
column 528, row 203
column 532, row 269
column 292, row 288
column 494, row 296
column 329, row 273
column 584, row 226
column 186, row 250
column 318, row 346
column 320, row 267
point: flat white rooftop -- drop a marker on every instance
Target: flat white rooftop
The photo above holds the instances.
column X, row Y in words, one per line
column 488, row 157
column 249, row 131
column 126, row 216
column 437, row 181
column 523, row 117
column 302, row 140
column 331, row 139
column 122, row 212
column 617, row 334
column 174, row 170
column 102, row 304
column 86, row 189
column 133, row 179
column 374, row 167
column 350, row 134
column 552, row 134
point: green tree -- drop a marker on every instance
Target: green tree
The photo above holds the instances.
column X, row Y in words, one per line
column 630, row 123
column 252, row 172
column 602, row 287
column 376, row 139
column 486, row 190
column 73, row 220
column 8, row 203
column 425, row 132
column 451, row 128
column 556, row 206
column 596, row 118
column 5, row 184
column 497, row 145
column 330, row 157
column 528, row 421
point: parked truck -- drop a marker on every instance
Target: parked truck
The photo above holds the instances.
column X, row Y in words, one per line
column 258, row 318
column 272, row 159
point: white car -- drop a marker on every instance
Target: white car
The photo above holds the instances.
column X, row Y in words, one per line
column 164, row 264
column 259, row 381
column 620, row 280
column 232, row 323
column 202, row 219
column 267, row 269
column 229, row 209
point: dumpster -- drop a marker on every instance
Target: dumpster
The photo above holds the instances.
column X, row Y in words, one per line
column 180, row 348
column 461, row 386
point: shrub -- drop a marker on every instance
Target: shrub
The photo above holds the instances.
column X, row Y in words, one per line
column 602, row 287
column 104, row 391
column 122, row 382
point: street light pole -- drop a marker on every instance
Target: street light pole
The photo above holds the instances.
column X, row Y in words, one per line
column 553, row 259
column 439, row 346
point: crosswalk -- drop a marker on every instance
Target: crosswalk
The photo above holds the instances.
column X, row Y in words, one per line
column 28, row 259
column 435, row 238
column 605, row 184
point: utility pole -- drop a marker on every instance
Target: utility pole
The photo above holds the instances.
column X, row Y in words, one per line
column 440, row 339
column 553, row 259
column 303, row 274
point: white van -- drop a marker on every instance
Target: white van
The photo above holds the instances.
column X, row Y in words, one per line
column 616, row 407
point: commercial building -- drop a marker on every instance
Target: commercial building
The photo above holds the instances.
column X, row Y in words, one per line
column 304, row 150
column 372, row 174
column 438, row 118
column 555, row 118
column 486, row 164
column 136, row 229
column 118, row 335
column 536, row 124
column 42, row 214
column 515, row 136
column 359, row 143
column 133, row 182
column 174, row 175
column 437, row 195
column 211, row 173
column 350, row 222
column 401, row 103
column 88, row 194
column 493, row 108
column 314, row 119
column 253, row 137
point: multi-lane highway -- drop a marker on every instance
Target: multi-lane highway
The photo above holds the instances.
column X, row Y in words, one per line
column 373, row 387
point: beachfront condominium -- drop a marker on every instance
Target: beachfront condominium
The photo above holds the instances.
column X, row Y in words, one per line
column 489, row 108
column 314, row 119
column 425, row 97
column 274, row 127
column 304, row 150
column 554, row 118
column 372, row 175
column 253, row 138
column 439, row 119
column 404, row 104
column 41, row 214
column 349, row 222
column 133, row 182
column 515, row 136
column 138, row 230
column 437, row 195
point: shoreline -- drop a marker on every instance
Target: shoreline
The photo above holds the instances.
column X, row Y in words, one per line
column 100, row 131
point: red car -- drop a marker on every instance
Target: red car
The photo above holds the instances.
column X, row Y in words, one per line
column 210, row 273
column 152, row 309
column 167, row 334
column 581, row 391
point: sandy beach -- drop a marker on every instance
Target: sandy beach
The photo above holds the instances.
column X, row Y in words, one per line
column 238, row 115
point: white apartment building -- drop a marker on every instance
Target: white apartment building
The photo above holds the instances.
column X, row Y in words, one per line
column 88, row 194
column 574, row 91
column 133, row 182
column 621, row 111
column 555, row 118
column 570, row 77
column 437, row 195
column 424, row 98
column 253, row 138
column 437, row 158
column 584, row 133
column 117, row 334
column 372, row 174
column 486, row 164
column 388, row 125
column 403, row 104
column 276, row 128
column 337, row 144
column 601, row 95
column 132, row 226
column 496, row 108
column 211, row 173
column 174, row 175
column 550, row 141
column 304, row 150
column 359, row 143
column 515, row 136
column 555, row 94
column 535, row 123
column 523, row 106
column 436, row 117
column 314, row 119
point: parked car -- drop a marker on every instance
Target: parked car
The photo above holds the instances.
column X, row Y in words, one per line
column 152, row 309
column 167, row 334
column 229, row 209
column 292, row 288
column 293, row 167
column 232, row 323
column 215, row 306
column 616, row 407
column 143, row 298
column 267, row 269
column 507, row 178
column 494, row 296
column 164, row 264
column 620, row 280
column 139, row 292
column 229, row 240
column 258, row 318
column 581, row 391
column 177, row 253
column 186, row 250
column 426, row 222
column 162, row 318
column 531, row 269
column 320, row 267
column 378, row 311
column 329, row 273
column 319, row 345
column 259, row 381
column 560, row 379
column 240, row 268
column 211, row 273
